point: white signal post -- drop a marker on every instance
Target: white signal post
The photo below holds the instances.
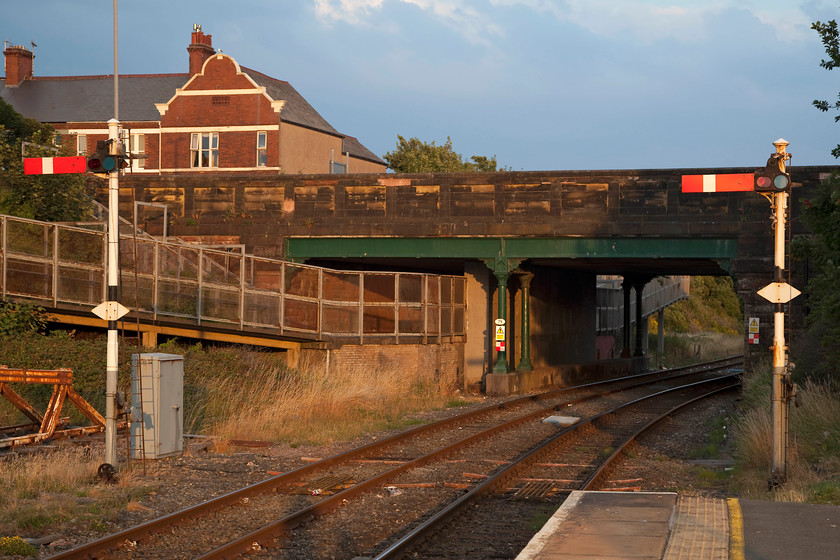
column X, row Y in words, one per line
column 112, row 363
column 779, row 293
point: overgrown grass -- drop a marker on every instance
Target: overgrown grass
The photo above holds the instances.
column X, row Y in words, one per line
column 813, row 466
column 690, row 348
column 42, row 492
column 313, row 406
column 231, row 393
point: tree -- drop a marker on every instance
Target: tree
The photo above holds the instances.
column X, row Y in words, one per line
column 819, row 352
column 831, row 40
column 821, row 248
column 40, row 197
column 415, row 156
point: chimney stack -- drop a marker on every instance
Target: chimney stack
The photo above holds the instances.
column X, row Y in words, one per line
column 18, row 65
column 200, row 49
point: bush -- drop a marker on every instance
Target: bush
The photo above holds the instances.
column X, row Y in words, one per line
column 18, row 318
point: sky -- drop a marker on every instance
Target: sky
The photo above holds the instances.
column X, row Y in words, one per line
column 539, row 84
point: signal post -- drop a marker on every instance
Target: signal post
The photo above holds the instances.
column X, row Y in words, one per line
column 774, row 182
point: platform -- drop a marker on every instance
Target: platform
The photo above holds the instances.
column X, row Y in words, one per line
column 657, row 526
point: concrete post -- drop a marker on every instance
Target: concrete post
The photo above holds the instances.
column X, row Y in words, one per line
column 639, row 286
column 525, row 342
column 625, row 345
column 660, row 333
column 478, row 346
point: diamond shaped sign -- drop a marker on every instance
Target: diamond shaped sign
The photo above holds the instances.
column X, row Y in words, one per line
column 778, row 292
column 110, row 310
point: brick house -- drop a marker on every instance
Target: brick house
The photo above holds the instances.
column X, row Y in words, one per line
column 219, row 117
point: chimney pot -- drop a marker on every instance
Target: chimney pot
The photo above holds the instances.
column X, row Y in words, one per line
column 200, row 49
column 18, row 65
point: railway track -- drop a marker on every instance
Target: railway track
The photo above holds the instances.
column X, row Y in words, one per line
column 405, row 485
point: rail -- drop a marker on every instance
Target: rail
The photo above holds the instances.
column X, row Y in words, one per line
column 62, row 266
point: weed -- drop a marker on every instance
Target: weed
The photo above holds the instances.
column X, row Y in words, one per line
column 826, row 492
column 541, row 517
column 16, row 546
column 717, row 438
column 98, row 526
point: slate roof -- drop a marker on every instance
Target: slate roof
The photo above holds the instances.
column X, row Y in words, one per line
column 90, row 99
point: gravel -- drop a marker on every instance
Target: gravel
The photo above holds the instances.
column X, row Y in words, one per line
column 664, row 461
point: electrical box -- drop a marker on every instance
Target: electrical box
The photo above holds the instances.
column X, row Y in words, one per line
column 157, row 405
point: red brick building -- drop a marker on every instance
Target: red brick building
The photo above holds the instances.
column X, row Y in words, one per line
column 219, row 117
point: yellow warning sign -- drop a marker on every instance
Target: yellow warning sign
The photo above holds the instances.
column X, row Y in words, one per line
column 500, row 332
column 753, row 324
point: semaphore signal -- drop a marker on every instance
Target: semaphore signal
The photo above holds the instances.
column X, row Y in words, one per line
column 54, row 165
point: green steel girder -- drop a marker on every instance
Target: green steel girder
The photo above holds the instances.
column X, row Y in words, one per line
column 513, row 248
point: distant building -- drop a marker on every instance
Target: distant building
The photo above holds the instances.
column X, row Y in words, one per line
column 219, row 117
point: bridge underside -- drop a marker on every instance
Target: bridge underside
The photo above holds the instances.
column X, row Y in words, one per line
column 531, row 302
column 652, row 257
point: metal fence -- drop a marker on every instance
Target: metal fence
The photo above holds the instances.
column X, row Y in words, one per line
column 63, row 267
column 658, row 294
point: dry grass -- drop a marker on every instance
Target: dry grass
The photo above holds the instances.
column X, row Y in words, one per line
column 689, row 348
column 813, row 466
column 44, row 490
column 313, row 406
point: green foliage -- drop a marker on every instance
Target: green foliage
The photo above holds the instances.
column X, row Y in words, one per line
column 17, row 318
column 415, row 156
column 716, row 439
column 819, row 352
column 16, row 546
column 825, row 492
column 40, row 197
column 712, row 306
column 831, row 41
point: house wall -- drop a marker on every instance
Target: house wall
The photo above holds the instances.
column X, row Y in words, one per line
column 303, row 150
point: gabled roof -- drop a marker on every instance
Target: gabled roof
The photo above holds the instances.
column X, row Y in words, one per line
column 296, row 110
column 90, row 99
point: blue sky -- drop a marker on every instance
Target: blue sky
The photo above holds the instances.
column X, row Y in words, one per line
column 540, row 84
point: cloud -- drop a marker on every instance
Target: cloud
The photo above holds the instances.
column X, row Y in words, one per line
column 458, row 15
column 353, row 12
column 653, row 20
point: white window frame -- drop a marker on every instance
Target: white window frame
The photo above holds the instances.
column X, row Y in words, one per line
column 262, row 151
column 204, row 150
column 81, row 144
column 138, row 148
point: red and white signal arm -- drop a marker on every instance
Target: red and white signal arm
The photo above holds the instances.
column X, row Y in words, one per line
column 53, row 165
column 728, row 182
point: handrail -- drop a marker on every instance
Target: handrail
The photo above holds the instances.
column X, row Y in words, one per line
column 63, row 266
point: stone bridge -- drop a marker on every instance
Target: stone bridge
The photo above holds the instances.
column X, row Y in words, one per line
column 542, row 237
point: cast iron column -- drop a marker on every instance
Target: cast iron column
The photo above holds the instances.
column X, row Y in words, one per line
column 502, row 268
column 501, row 355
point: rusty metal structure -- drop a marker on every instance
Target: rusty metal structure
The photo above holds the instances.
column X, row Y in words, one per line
column 48, row 423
